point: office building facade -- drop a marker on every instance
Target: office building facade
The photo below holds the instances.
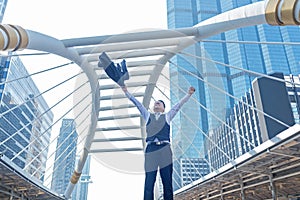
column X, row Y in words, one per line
column 81, row 188
column 267, row 109
column 192, row 169
column 3, row 4
column 293, row 89
column 25, row 118
column 259, row 57
column 65, row 156
column 238, row 135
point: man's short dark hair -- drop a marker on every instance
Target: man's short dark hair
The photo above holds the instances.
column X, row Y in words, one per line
column 162, row 103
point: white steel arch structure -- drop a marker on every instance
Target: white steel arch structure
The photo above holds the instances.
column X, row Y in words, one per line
column 149, row 48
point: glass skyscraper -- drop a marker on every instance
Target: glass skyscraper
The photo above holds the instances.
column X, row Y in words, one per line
column 3, row 4
column 24, row 131
column 65, row 156
column 81, row 188
column 247, row 127
column 261, row 57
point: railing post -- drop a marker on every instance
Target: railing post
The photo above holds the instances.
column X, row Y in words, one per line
column 11, row 194
column 272, row 187
column 221, row 193
column 242, row 188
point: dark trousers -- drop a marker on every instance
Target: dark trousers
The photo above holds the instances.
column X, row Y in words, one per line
column 158, row 157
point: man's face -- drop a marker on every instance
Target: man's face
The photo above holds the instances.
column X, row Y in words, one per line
column 158, row 106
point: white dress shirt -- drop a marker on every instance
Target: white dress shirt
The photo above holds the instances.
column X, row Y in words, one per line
column 146, row 114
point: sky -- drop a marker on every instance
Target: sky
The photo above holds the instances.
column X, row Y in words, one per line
column 65, row 19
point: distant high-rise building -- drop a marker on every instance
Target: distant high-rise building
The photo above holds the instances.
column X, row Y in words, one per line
column 192, row 170
column 65, row 156
column 271, row 98
column 24, row 132
column 262, row 58
column 4, row 62
column 293, row 88
column 81, row 188
column 25, row 124
column 3, row 4
column 246, row 128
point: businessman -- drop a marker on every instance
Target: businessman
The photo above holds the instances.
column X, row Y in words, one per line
column 158, row 153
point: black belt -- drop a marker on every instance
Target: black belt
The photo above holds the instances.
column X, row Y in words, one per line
column 158, row 142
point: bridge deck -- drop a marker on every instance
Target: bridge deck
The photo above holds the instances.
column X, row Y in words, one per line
column 14, row 184
column 274, row 164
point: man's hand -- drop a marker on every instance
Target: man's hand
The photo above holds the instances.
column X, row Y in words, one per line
column 191, row 90
column 124, row 88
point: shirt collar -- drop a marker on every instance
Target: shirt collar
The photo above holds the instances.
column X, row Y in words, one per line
column 157, row 115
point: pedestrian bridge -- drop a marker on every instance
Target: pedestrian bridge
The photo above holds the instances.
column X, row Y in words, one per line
column 108, row 124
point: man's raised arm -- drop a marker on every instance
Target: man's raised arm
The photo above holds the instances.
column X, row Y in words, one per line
column 171, row 114
column 144, row 112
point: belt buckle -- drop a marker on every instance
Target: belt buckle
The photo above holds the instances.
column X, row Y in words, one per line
column 158, row 143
